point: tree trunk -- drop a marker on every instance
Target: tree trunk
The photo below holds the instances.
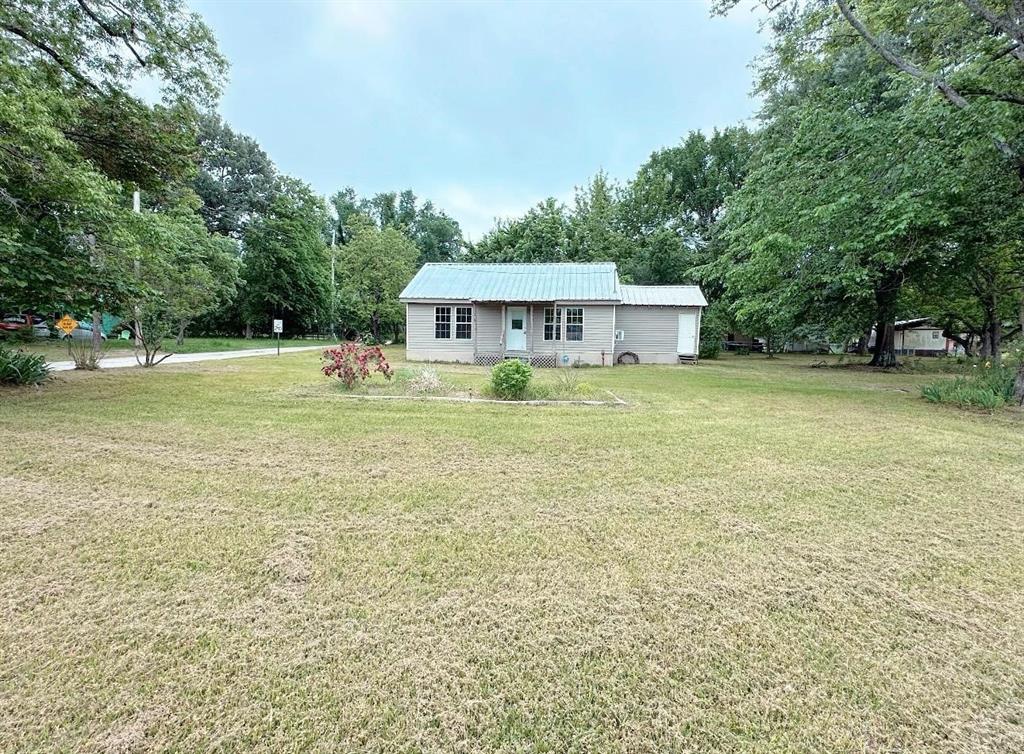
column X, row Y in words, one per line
column 862, row 343
column 248, row 331
column 182, row 324
column 768, row 346
column 885, row 345
column 375, row 326
column 1018, row 385
column 886, row 295
column 97, row 333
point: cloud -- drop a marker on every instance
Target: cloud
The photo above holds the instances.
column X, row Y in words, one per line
column 477, row 209
column 376, row 20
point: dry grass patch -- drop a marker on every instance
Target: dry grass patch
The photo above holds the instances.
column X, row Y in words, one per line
column 210, row 559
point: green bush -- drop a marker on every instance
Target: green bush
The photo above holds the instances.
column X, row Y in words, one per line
column 510, row 379
column 710, row 348
column 988, row 386
column 20, row 336
column 18, row 368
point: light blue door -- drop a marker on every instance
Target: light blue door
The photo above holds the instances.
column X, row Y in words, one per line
column 515, row 328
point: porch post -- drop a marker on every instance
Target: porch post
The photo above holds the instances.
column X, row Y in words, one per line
column 501, row 340
column 529, row 315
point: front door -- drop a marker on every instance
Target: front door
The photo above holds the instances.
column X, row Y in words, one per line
column 688, row 333
column 515, row 328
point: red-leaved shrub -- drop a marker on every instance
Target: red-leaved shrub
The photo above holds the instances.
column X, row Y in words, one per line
column 353, row 363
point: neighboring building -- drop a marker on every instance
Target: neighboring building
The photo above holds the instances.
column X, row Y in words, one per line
column 919, row 337
column 547, row 314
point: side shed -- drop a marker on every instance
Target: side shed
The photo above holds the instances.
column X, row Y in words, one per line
column 659, row 323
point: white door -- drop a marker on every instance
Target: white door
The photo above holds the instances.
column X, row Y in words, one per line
column 688, row 333
column 515, row 328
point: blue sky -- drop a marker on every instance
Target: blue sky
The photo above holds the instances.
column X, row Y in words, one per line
column 484, row 107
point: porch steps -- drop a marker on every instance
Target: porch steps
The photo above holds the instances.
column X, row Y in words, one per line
column 688, row 359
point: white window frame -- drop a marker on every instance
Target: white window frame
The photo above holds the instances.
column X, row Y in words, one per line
column 565, row 319
column 438, row 310
column 555, row 324
column 468, row 323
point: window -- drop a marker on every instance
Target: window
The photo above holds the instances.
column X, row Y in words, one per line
column 574, row 323
column 442, row 322
column 552, row 324
column 463, row 322
column 936, row 334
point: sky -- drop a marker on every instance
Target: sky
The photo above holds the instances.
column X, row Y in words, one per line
column 485, row 108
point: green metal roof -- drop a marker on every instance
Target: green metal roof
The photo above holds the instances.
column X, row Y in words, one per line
column 514, row 282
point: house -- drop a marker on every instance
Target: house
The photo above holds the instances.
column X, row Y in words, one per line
column 547, row 314
column 919, row 337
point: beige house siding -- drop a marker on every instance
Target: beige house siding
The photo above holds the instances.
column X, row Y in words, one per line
column 420, row 343
column 651, row 332
column 489, row 327
column 598, row 333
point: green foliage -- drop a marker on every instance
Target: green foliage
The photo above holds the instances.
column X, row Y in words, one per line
column 987, row 386
column 373, row 267
column 542, row 235
column 236, row 181
column 710, row 347
column 286, row 265
column 74, row 143
column 18, row 368
column 438, row 238
column 510, row 379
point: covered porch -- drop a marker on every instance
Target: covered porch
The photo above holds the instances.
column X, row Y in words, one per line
column 515, row 330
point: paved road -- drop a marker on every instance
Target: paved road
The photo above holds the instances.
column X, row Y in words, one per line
column 120, row 362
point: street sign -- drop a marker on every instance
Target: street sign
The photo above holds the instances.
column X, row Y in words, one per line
column 278, row 325
column 67, row 324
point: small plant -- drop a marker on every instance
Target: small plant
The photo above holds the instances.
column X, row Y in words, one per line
column 19, row 368
column 427, row 382
column 510, row 379
column 710, row 348
column 987, row 386
column 353, row 363
column 567, row 382
column 82, row 353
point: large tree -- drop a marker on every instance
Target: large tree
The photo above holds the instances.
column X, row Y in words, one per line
column 236, row 180
column 74, row 143
column 286, row 266
column 373, row 268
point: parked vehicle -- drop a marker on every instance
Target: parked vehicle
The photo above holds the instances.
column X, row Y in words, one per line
column 83, row 332
column 13, row 322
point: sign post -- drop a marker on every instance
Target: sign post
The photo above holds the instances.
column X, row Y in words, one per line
column 278, row 328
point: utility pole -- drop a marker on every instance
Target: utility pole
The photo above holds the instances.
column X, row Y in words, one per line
column 137, row 207
column 334, row 289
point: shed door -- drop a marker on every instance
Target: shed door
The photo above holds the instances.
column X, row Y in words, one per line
column 688, row 333
column 515, row 328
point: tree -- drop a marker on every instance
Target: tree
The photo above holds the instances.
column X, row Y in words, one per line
column 541, row 235
column 682, row 191
column 596, row 232
column 860, row 179
column 968, row 55
column 74, row 143
column 374, row 266
column 236, row 180
column 183, row 272
column 286, row 265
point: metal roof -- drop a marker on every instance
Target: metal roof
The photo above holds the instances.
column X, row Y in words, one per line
column 662, row 295
column 514, row 282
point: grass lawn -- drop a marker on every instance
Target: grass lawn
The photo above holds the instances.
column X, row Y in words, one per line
column 752, row 556
column 58, row 351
